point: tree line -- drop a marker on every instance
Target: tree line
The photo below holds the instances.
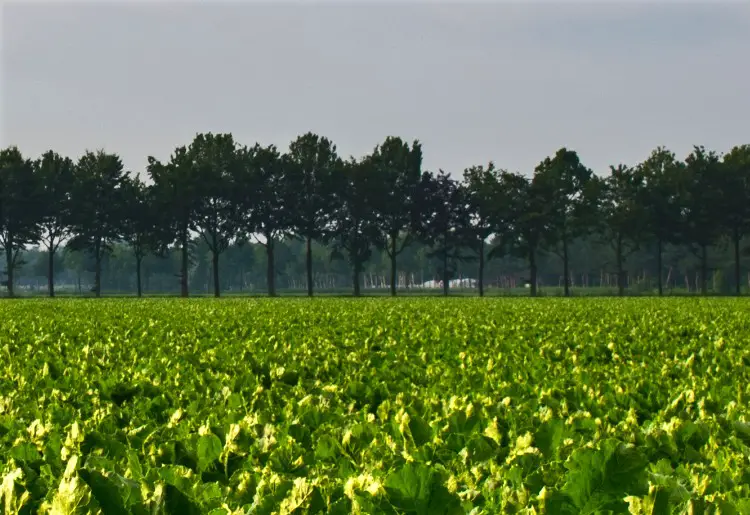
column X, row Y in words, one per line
column 225, row 195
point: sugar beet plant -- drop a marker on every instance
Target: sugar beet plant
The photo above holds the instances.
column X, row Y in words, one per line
column 420, row 406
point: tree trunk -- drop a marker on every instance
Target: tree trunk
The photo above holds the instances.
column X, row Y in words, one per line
column 620, row 273
column 393, row 265
column 737, row 272
column 9, row 266
column 480, row 278
column 98, row 269
column 704, row 270
column 446, row 277
column 138, row 260
column 215, row 267
column 356, row 266
column 270, row 270
column 185, row 263
column 309, row 268
column 659, row 266
column 51, row 273
column 532, row 271
column 566, row 271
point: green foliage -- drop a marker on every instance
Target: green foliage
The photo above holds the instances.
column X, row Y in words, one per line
column 661, row 173
column 20, row 212
column 421, row 406
column 445, row 222
column 97, row 212
column 599, row 479
column 55, row 175
column 311, row 165
column 702, row 198
column 398, row 168
column 355, row 230
column 215, row 193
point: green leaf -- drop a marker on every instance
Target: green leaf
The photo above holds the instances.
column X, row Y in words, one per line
column 409, row 488
column 661, row 502
column 177, row 503
column 743, row 431
column 599, row 479
column 415, row 488
column 26, row 453
column 134, row 465
column 342, row 506
column 326, row 448
column 442, row 502
column 558, row 503
column 481, row 448
column 421, row 431
column 209, row 450
column 105, row 491
column 549, row 437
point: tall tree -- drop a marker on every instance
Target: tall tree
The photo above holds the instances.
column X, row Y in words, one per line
column 263, row 196
column 525, row 220
column 355, row 230
column 572, row 202
column 55, row 175
column 176, row 193
column 399, row 168
column 19, row 209
column 703, row 208
column 215, row 159
column 97, row 207
column 312, row 163
column 623, row 216
column 443, row 222
column 140, row 223
column 661, row 173
column 481, row 185
column 736, row 201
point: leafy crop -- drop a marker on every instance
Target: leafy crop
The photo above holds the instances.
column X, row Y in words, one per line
column 421, row 406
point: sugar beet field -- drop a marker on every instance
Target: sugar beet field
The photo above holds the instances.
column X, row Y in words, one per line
column 337, row 406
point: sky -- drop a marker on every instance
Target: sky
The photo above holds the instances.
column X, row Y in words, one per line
column 509, row 82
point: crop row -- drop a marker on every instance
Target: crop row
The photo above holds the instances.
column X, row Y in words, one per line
column 423, row 406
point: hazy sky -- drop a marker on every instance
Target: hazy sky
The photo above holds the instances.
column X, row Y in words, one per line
column 505, row 81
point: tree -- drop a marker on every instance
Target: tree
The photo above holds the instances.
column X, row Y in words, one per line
column 660, row 173
column 525, row 220
column 703, row 208
column 96, row 215
column 215, row 160
column 77, row 262
column 399, row 169
column 355, row 229
column 572, row 200
column 55, row 175
column 481, row 186
column 239, row 258
column 265, row 201
column 140, row 227
column 19, row 209
column 444, row 221
column 312, row 162
column 175, row 198
column 623, row 216
column 736, row 201
column 40, row 264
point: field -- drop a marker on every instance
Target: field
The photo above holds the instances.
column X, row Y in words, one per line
column 419, row 405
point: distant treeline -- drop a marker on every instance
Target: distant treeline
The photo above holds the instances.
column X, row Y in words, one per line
column 222, row 217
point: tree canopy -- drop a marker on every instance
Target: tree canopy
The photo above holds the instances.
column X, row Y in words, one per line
column 218, row 204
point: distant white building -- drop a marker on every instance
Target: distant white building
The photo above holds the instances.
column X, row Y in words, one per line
column 454, row 283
